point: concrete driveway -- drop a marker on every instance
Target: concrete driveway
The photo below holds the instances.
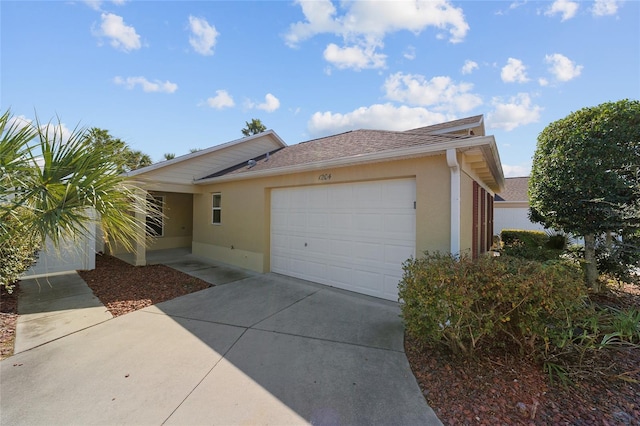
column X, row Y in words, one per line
column 263, row 349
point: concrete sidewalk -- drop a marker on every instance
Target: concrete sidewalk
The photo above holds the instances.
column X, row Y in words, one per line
column 53, row 307
column 262, row 349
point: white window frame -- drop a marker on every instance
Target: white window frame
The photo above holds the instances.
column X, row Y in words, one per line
column 217, row 208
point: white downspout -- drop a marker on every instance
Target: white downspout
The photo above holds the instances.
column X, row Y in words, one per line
column 452, row 162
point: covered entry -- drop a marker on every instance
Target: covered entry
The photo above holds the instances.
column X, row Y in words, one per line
column 353, row 236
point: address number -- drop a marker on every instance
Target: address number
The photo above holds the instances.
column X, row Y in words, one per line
column 325, row 176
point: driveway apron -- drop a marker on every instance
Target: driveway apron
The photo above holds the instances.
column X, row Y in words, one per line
column 266, row 349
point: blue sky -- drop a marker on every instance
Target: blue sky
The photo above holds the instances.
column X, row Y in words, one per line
column 168, row 76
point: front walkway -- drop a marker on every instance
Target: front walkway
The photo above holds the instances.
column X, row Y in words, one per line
column 263, row 349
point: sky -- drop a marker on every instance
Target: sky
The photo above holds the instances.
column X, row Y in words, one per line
column 171, row 76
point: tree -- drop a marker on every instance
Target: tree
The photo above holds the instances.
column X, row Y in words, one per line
column 128, row 159
column 254, row 127
column 169, row 156
column 50, row 186
column 583, row 179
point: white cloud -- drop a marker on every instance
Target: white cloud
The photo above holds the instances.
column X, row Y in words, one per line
column 97, row 4
column 56, row 130
column 410, row 53
column 123, row 36
column 543, row 82
column 605, row 7
column 52, row 129
column 221, row 100
column 469, row 66
column 516, row 112
column 378, row 116
column 203, row 36
column 563, row 68
column 514, row 72
column 354, row 57
column 440, row 92
column 19, row 121
column 520, row 170
column 147, row 86
column 365, row 24
column 270, row 104
column 566, row 8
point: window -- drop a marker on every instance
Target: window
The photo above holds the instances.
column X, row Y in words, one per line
column 155, row 216
column 217, row 209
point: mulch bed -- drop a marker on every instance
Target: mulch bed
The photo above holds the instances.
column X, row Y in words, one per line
column 124, row 288
column 500, row 389
column 8, row 318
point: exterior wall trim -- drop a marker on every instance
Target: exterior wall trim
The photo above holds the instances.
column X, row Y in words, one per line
column 454, row 167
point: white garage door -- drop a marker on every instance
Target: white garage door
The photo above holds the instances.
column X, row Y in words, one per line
column 352, row 236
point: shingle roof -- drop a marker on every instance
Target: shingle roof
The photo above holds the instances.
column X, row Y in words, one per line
column 349, row 144
column 450, row 126
column 515, row 189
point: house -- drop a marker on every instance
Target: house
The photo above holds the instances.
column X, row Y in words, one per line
column 343, row 210
column 512, row 206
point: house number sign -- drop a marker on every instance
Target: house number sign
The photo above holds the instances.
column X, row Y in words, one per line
column 325, row 176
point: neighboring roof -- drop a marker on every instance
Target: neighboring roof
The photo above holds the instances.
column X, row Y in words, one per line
column 515, row 190
column 473, row 126
column 367, row 146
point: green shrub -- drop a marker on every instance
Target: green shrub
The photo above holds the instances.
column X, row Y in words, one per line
column 16, row 256
column 532, row 245
column 469, row 305
column 529, row 238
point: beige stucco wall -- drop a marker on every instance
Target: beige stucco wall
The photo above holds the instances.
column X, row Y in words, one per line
column 178, row 223
column 243, row 237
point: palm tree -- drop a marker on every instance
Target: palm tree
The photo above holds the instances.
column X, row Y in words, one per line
column 254, row 127
column 54, row 187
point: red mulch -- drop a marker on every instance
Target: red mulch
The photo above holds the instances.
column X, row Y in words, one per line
column 499, row 389
column 124, row 288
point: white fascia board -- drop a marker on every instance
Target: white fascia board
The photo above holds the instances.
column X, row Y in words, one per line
column 457, row 128
column 396, row 154
column 205, row 151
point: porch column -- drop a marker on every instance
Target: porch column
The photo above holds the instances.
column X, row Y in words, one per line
column 140, row 254
column 454, row 167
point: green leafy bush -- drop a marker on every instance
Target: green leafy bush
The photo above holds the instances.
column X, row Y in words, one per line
column 16, row 256
column 18, row 252
column 532, row 245
column 469, row 305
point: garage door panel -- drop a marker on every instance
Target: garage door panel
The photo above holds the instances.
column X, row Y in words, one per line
column 368, row 282
column 400, row 223
column 395, row 254
column 342, row 248
column 318, row 246
column 356, row 235
column 341, row 198
column 318, row 222
column 342, row 276
column 369, row 251
column 369, row 222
